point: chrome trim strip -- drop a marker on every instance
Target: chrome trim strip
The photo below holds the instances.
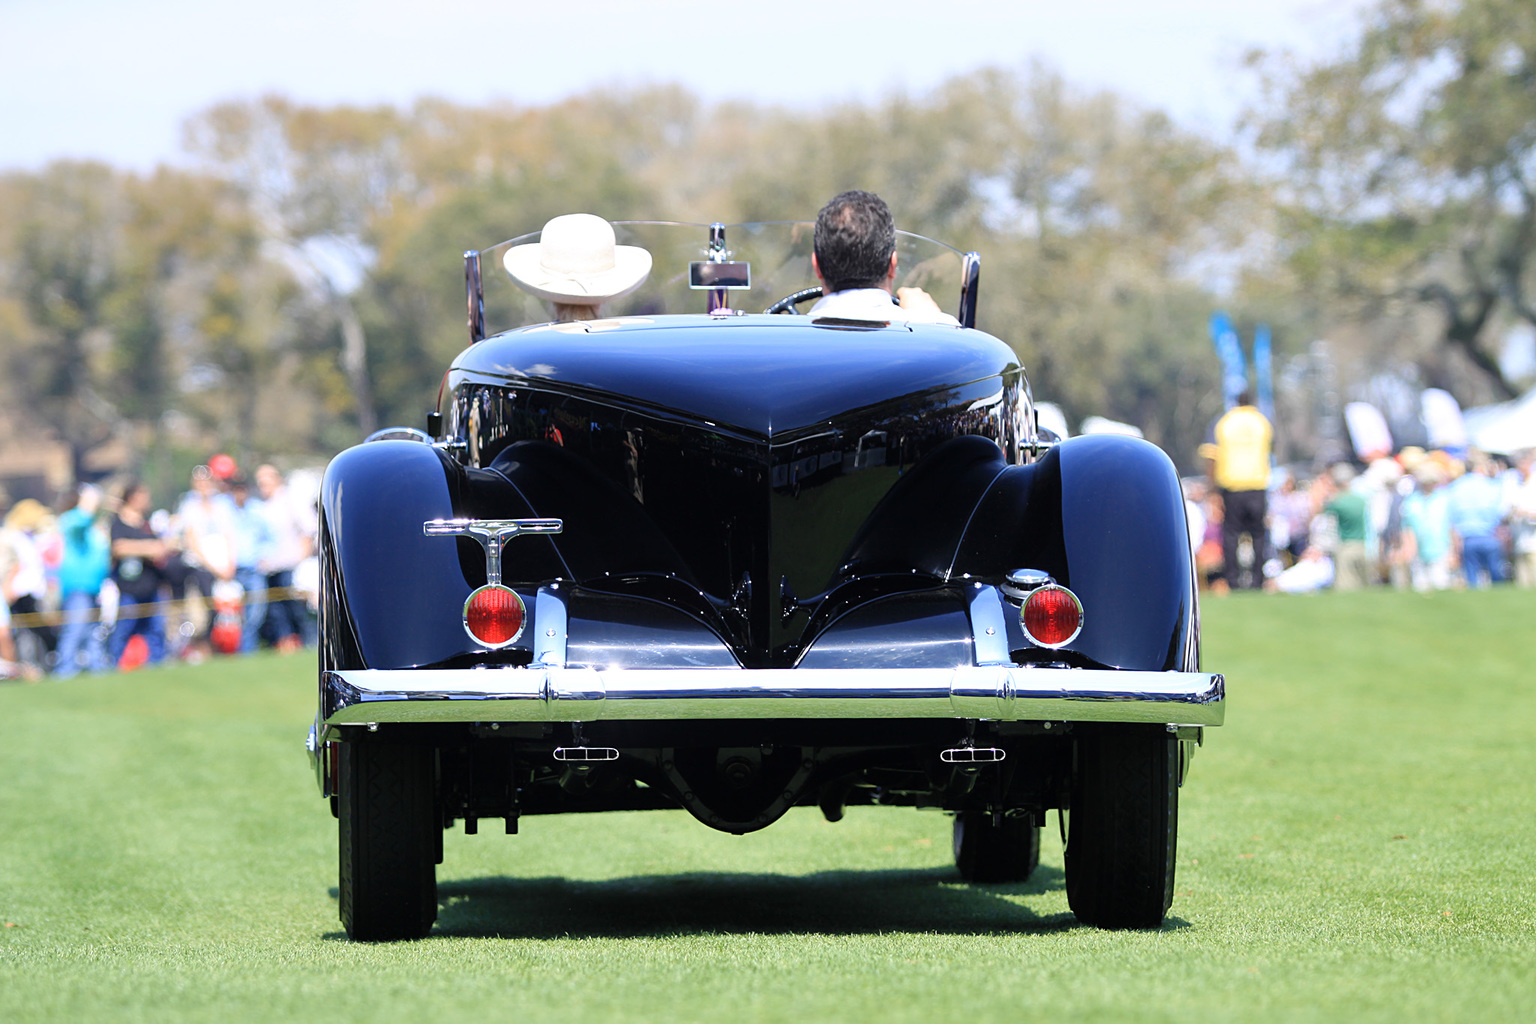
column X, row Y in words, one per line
column 989, row 630
column 549, row 628
column 1001, row 693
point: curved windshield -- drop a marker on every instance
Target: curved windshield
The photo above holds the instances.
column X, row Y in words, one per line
column 778, row 255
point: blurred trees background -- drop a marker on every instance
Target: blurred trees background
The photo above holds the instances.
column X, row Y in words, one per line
column 1404, row 180
column 299, row 282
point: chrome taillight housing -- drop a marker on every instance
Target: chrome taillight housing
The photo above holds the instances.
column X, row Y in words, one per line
column 1052, row 616
column 494, row 616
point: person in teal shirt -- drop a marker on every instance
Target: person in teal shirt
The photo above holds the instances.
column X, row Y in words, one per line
column 1427, row 520
column 87, row 559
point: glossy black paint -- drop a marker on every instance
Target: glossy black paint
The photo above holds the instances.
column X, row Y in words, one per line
column 731, row 461
column 925, row 629
column 920, row 520
column 607, row 630
column 833, row 540
column 763, row 376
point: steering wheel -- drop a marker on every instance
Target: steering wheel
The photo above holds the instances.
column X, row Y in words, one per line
column 788, row 303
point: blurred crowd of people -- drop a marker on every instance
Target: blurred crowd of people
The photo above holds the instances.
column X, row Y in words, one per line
column 107, row 581
column 1426, row 520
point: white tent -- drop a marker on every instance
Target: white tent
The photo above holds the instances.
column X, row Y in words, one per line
column 1506, row 427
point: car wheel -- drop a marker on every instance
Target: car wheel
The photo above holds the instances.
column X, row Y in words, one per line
column 990, row 851
column 388, row 841
column 1123, row 825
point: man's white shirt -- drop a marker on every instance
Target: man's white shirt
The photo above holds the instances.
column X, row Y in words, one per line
column 875, row 304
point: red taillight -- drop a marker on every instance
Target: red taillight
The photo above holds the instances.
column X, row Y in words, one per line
column 494, row 615
column 1052, row 616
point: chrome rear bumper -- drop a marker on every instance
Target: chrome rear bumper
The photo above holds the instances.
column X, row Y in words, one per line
column 995, row 693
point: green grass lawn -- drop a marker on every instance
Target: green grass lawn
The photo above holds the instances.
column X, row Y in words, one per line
column 1357, row 843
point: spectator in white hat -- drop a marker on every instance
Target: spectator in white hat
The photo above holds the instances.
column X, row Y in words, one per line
column 577, row 265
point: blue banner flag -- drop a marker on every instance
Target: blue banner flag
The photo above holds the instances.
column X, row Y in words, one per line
column 1263, row 369
column 1234, row 371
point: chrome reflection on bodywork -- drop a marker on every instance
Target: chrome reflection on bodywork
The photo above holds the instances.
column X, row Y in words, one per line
column 997, row 693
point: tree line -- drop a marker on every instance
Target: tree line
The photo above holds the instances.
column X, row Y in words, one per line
column 297, row 281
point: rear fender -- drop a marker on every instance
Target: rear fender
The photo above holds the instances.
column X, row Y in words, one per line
column 396, row 594
column 1104, row 515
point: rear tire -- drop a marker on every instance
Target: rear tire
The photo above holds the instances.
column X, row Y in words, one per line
column 388, row 836
column 1123, row 825
column 986, row 852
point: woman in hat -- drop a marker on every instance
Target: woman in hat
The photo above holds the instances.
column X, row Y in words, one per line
column 577, row 265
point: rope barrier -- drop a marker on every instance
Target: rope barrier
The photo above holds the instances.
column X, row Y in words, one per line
column 146, row 609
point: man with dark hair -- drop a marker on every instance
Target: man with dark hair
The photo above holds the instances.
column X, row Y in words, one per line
column 855, row 261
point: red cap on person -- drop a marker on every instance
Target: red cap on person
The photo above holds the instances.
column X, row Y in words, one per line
column 222, row 466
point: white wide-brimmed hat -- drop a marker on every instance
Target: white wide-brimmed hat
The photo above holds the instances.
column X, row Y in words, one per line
column 576, row 261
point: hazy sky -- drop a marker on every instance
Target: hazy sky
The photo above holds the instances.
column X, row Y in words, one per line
column 113, row 79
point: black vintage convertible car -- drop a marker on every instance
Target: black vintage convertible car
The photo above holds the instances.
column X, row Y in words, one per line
column 737, row 562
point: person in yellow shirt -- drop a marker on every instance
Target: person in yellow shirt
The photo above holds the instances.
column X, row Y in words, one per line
column 1241, row 473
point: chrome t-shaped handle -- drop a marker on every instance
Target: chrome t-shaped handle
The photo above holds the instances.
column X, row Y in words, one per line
column 491, row 533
